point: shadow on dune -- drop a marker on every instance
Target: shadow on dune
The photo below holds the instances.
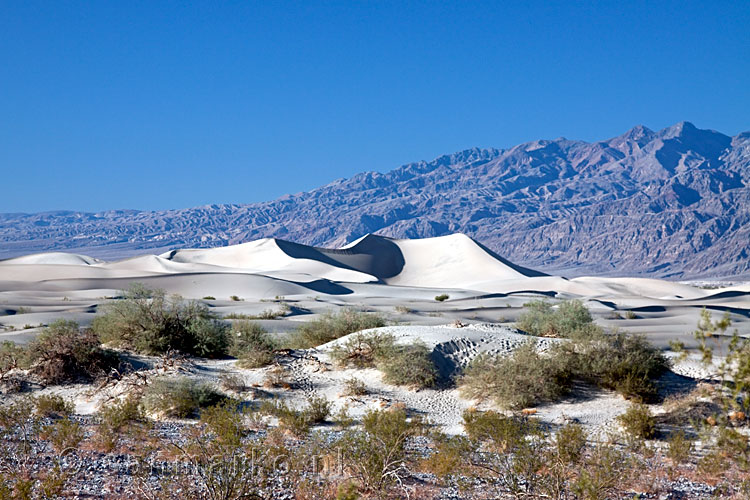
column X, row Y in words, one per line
column 373, row 255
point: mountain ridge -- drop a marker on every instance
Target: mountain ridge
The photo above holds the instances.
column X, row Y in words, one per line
column 671, row 203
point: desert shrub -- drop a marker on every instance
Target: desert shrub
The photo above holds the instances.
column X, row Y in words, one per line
column 376, row 454
column 403, row 309
column 331, row 326
column 12, row 356
column 354, row 387
column 489, row 426
column 64, row 353
column 620, row 361
column 521, row 379
column 410, row 365
column 235, row 298
column 209, row 297
column 53, row 405
column 736, row 446
column 363, row 349
column 679, row 447
column 222, row 466
column 117, row 419
column 251, row 344
column 299, row 421
column 442, row 297
column 631, row 315
column 64, row 435
column 638, row 421
column 180, row 397
column 601, row 473
column 542, row 319
column 149, row 322
column 232, row 382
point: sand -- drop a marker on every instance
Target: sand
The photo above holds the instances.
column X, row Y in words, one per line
column 397, row 278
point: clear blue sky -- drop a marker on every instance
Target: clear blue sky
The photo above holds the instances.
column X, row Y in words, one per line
column 157, row 104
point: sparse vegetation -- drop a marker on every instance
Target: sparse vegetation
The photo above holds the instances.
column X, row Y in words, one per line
column 331, row 326
column 12, row 356
column 53, row 406
column 180, row 397
column 118, row 418
column 209, row 297
column 235, row 298
column 251, row 344
column 522, row 379
column 64, row 353
column 409, row 365
column 541, row 318
column 442, row 297
column 64, row 435
column 149, row 322
column 363, row 349
column 638, row 421
column 354, row 387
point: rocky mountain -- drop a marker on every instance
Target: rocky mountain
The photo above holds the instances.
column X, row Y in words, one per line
column 673, row 203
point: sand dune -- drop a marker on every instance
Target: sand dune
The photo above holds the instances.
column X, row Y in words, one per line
column 372, row 272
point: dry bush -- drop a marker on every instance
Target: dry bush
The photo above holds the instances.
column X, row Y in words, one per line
column 64, row 434
column 119, row 418
column 63, row 353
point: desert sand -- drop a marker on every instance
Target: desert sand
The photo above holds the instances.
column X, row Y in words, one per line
column 397, row 278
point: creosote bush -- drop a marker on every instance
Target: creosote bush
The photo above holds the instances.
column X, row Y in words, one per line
column 119, row 418
column 638, row 421
column 541, row 318
column 65, row 353
column 251, row 344
column 619, row 361
column 442, row 297
column 149, row 322
column 298, row 422
column 180, row 397
column 409, row 365
column 331, row 326
column 53, row 405
column 375, row 454
column 521, row 379
column 364, row 349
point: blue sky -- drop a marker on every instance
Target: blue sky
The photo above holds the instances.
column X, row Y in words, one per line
column 154, row 105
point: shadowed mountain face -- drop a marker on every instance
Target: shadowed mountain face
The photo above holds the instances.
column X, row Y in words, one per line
column 673, row 203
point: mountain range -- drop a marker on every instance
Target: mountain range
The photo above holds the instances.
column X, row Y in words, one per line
column 673, row 203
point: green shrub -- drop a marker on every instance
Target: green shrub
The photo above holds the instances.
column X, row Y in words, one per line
column 209, row 297
column 542, row 319
column 235, row 298
column 332, row 326
column 63, row 353
column 442, row 297
column 53, row 405
column 638, row 421
column 149, row 322
column 409, row 365
column 622, row 362
column 364, row 349
column 252, row 344
column 521, row 379
column 631, row 315
column 180, row 397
